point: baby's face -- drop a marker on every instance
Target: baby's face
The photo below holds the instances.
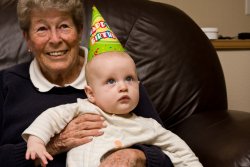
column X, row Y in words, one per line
column 114, row 82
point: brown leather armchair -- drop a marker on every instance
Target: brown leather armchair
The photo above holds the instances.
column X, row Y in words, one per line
column 178, row 66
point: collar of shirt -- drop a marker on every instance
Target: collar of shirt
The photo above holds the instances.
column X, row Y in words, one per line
column 43, row 85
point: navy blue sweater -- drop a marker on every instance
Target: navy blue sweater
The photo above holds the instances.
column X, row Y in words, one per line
column 21, row 103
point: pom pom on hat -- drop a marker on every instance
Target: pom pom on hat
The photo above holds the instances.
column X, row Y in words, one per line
column 102, row 39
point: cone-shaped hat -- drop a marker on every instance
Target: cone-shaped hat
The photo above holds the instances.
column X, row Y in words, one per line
column 102, row 39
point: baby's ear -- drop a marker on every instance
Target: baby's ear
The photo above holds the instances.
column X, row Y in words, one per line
column 90, row 94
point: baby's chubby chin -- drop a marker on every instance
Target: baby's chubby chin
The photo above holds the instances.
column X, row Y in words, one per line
column 123, row 109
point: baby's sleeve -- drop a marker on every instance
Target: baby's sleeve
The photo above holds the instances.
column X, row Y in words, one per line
column 176, row 148
column 52, row 121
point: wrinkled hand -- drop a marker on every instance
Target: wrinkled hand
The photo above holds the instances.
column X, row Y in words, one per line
column 79, row 131
column 125, row 158
column 36, row 149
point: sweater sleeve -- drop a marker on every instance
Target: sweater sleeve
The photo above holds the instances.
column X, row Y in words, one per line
column 10, row 154
column 154, row 155
column 14, row 155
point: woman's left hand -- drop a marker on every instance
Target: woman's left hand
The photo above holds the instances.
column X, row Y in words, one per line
column 78, row 131
column 125, row 158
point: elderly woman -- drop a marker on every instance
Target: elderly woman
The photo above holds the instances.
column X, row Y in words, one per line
column 56, row 75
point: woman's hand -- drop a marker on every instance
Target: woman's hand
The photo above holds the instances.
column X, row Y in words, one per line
column 124, row 158
column 79, row 131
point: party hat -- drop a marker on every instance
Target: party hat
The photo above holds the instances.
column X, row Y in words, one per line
column 102, row 39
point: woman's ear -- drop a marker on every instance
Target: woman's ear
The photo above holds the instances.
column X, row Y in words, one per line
column 90, row 94
column 26, row 37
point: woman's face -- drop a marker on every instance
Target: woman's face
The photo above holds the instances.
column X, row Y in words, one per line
column 54, row 40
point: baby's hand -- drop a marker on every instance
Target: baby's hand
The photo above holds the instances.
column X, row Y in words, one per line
column 36, row 149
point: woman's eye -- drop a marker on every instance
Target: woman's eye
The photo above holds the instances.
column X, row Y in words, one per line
column 63, row 26
column 41, row 29
column 110, row 81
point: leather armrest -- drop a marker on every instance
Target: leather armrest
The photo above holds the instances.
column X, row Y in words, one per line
column 219, row 138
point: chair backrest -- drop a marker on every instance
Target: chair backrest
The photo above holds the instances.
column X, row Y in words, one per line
column 13, row 49
column 176, row 62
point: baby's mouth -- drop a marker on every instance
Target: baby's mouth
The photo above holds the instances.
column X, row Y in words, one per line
column 124, row 98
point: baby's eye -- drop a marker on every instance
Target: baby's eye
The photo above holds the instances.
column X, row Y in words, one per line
column 110, row 81
column 129, row 78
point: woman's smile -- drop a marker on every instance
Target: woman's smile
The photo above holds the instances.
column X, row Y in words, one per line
column 57, row 53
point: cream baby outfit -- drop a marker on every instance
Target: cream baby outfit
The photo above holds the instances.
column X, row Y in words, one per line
column 121, row 132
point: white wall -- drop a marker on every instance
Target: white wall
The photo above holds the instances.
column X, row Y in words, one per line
column 228, row 15
column 236, row 67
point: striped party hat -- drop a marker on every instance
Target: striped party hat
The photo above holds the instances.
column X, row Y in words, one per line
column 102, row 39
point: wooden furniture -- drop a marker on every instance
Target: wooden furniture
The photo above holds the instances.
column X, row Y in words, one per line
column 232, row 44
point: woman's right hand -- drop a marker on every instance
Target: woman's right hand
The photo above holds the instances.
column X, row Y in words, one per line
column 79, row 131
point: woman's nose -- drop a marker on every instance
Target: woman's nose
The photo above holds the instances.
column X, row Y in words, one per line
column 55, row 37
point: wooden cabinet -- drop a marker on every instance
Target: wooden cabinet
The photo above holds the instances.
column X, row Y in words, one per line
column 232, row 44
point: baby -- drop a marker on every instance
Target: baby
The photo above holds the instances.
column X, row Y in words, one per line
column 113, row 92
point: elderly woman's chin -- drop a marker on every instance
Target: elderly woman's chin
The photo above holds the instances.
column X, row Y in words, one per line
column 55, row 65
